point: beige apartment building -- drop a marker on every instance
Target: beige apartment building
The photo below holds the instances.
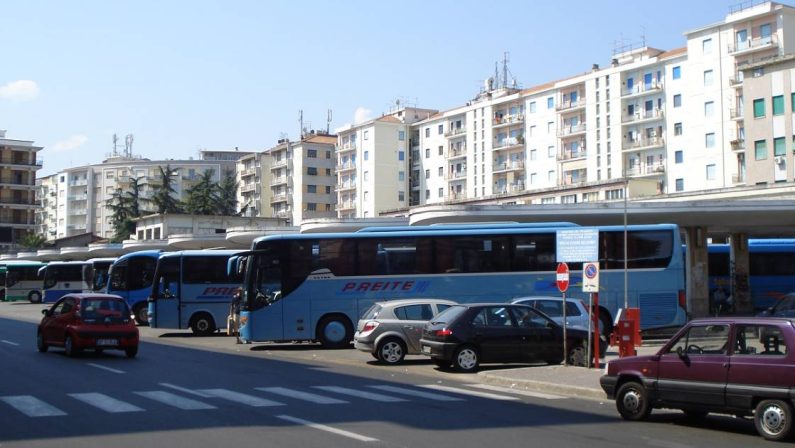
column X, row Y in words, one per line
column 18, row 204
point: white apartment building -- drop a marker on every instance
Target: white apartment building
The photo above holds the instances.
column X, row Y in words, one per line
column 300, row 178
column 252, row 174
column 18, row 166
column 372, row 163
column 78, row 197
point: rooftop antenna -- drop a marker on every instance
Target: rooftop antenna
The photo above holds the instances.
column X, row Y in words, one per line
column 128, row 144
column 328, row 122
column 115, row 144
column 505, row 69
column 301, row 121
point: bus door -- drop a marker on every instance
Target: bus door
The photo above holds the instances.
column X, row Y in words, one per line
column 265, row 300
column 165, row 301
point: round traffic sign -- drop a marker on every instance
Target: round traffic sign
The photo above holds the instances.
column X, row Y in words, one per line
column 562, row 277
column 591, row 270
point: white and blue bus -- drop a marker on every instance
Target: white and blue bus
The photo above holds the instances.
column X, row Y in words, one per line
column 130, row 277
column 21, row 280
column 192, row 289
column 97, row 276
column 316, row 286
column 63, row 277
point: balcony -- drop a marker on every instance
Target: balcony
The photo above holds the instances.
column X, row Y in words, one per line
column 457, row 196
column 18, row 184
column 572, row 155
column 503, row 167
column 248, row 172
column 281, row 197
column 346, row 206
column 457, row 132
column 574, row 177
column 507, row 120
column 345, row 186
column 78, row 197
column 643, row 143
column 279, row 180
column 22, row 202
column 248, row 188
column 738, row 178
column 753, row 45
column 516, row 187
column 454, row 153
column 737, row 113
column 78, row 212
column 456, row 175
column 345, row 147
column 571, row 130
column 281, row 163
column 567, row 106
column 642, row 90
column 508, row 143
column 646, row 170
column 282, row 213
column 78, row 183
column 735, row 81
column 348, row 166
column 21, row 163
column 738, row 145
column 642, row 117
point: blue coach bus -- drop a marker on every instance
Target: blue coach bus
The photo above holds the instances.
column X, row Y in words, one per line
column 131, row 277
column 316, row 286
column 771, row 270
column 64, row 277
column 192, row 289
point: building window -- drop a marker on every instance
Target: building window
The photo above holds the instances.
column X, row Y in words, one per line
column 427, row 174
column 427, row 132
column 532, row 107
column 366, row 176
column 760, row 150
column 706, row 46
column 441, row 171
column 533, row 154
column 709, row 109
column 427, row 194
column 311, row 206
column 328, row 189
column 550, row 127
column 677, row 100
column 311, row 170
column 709, row 77
column 780, row 146
column 366, row 135
column 550, row 151
column 778, row 105
column 427, row 153
column 311, row 188
column 533, row 178
column 792, row 101
column 551, row 176
column 759, row 108
column 402, row 135
column 441, row 150
column 711, row 171
column 677, row 128
column 367, row 155
column 311, row 153
column 679, row 157
column 401, row 155
column 680, row 184
column 676, row 73
column 441, row 192
column 401, row 196
column 550, row 102
column 709, row 140
column 441, row 129
column 401, row 176
column 533, row 129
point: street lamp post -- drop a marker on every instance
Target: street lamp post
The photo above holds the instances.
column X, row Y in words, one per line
column 626, row 276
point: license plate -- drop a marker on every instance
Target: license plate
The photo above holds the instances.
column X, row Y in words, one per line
column 107, row 342
column 426, row 349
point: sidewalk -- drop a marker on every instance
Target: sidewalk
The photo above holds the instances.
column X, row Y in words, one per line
column 561, row 380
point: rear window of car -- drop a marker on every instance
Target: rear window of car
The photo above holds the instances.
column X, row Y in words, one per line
column 372, row 313
column 450, row 314
column 553, row 308
column 103, row 308
column 414, row 312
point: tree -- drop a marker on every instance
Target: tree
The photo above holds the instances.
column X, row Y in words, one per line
column 202, row 197
column 163, row 193
column 226, row 195
column 125, row 207
column 32, row 241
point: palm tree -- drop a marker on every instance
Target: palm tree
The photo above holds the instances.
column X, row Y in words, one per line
column 32, row 240
column 202, row 197
column 163, row 193
column 226, row 195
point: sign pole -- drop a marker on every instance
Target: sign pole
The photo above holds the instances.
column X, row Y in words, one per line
column 565, row 347
column 590, row 327
column 562, row 280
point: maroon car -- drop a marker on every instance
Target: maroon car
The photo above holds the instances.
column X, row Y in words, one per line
column 94, row 321
column 739, row 366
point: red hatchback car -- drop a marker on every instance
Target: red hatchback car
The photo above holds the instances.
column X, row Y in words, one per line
column 743, row 366
column 94, row 321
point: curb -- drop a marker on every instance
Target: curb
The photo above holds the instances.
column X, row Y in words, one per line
column 544, row 386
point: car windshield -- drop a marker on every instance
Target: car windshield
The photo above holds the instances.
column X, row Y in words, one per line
column 449, row 315
column 785, row 303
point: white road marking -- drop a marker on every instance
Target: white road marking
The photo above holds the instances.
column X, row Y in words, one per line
column 360, row 394
column 187, row 391
column 300, row 395
column 416, row 393
column 326, row 428
column 474, row 393
column 237, row 397
column 175, row 400
column 10, row 343
column 106, row 403
column 509, row 390
column 32, row 406
column 105, row 368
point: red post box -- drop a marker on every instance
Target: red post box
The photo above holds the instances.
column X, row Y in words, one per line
column 626, row 333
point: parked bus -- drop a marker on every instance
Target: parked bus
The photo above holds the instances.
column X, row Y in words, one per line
column 97, row 276
column 131, row 277
column 771, row 271
column 21, row 280
column 63, row 277
column 192, row 289
column 316, row 286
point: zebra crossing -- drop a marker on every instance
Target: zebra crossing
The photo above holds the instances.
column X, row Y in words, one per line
column 175, row 396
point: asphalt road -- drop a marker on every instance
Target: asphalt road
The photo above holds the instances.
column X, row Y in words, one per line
column 196, row 392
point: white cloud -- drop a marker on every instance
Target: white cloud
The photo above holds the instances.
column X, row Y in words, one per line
column 21, row 90
column 362, row 114
column 70, row 143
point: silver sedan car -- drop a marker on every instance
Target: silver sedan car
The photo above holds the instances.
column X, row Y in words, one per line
column 391, row 330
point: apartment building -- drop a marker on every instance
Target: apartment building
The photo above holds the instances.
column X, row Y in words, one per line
column 253, row 200
column 18, row 166
column 372, row 162
column 78, row 198
column 301, row 178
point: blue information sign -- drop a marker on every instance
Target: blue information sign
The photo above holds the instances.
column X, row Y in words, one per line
column 577, row 245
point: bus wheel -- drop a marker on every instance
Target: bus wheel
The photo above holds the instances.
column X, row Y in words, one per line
column 335, row 332
column 202, row 324
column 34, row 297
column 140, row 311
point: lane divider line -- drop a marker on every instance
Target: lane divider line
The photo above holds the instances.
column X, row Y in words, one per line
column 318, row 426
column 105, row 368
column 9, row 343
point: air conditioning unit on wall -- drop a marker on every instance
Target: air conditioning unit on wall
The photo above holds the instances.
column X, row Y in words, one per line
column 780, row 160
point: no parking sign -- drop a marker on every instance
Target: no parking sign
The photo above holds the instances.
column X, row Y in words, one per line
column 590, row 277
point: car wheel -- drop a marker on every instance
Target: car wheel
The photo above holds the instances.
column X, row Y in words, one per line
column 632, row 401
column 40, row 344
column 69, row 348
column 578, row 355
column 466, row 359
column 335, row 332
column 202, row 324
column 773, row 419
column 391, row 351
column 140, row 311
column 34, row 297
column 131, row 352
column 442, row 364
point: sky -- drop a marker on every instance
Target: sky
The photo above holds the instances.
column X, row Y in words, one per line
column 182, row 76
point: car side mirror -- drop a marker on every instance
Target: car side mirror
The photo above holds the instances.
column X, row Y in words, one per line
column 45, row 312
